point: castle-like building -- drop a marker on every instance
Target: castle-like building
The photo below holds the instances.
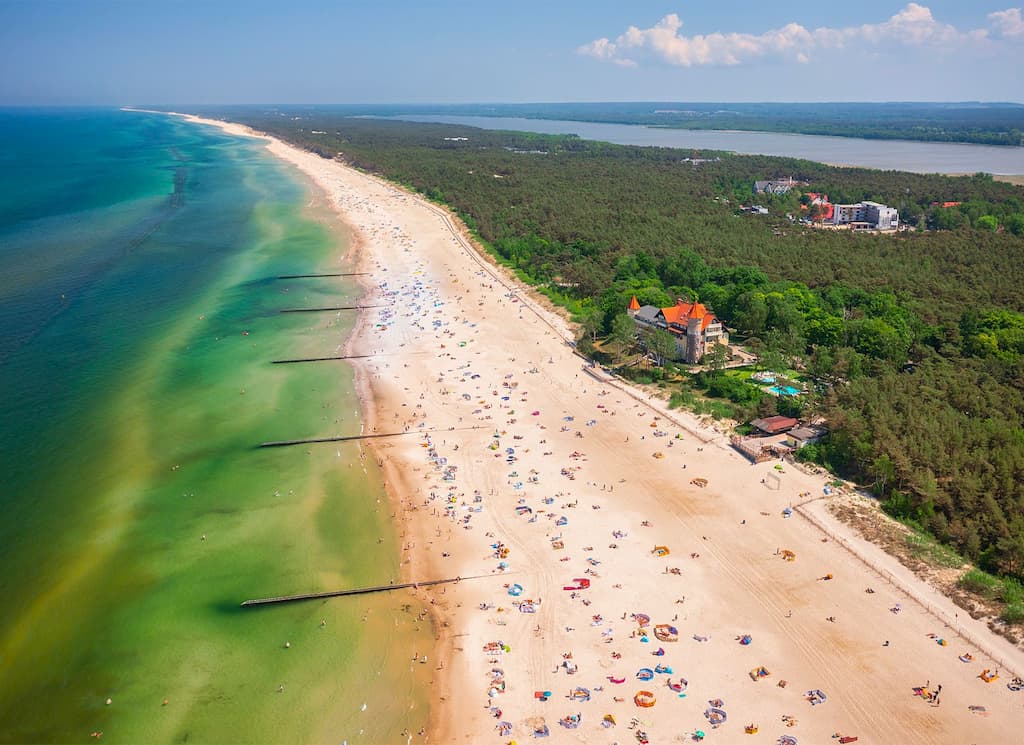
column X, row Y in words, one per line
column 692, row 325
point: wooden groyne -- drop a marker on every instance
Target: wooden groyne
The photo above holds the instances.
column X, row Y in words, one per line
column 321, row 359
column 329, row 308
column 315, row 276
column 357, row 591
column 351, row 438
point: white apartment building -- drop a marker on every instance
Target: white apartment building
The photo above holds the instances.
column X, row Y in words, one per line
column 866, row 216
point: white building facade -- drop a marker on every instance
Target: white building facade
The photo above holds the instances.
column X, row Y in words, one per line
column 866, row 216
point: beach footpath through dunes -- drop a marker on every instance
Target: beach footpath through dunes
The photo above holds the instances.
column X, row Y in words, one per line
column 644, row 582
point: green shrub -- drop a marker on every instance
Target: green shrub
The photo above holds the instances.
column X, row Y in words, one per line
column 1013, row 613
column 980, row 582
column 925, row 547
column 679, row 399
column 1011, row 592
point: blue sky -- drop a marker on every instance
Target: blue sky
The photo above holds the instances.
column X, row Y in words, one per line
column 378, row 51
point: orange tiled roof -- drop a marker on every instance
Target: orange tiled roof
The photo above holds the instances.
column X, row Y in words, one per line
column 677, row 311
column 682, row 312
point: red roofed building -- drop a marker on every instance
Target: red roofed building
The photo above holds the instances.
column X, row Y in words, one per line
column 774, row 425
column 824, row 209
column 692, row 324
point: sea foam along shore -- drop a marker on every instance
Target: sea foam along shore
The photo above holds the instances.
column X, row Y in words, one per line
column 526, row 469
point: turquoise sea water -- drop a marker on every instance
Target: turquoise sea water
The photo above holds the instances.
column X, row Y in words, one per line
column 139, row 302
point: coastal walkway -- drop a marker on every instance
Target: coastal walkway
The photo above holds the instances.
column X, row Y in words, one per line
column 356, row 591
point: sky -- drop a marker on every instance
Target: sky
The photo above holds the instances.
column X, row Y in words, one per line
column 60, row 52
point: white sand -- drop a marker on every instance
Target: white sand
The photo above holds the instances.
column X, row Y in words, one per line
column 465, row 352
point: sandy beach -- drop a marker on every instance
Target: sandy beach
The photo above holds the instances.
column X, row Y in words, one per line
column 599, row 574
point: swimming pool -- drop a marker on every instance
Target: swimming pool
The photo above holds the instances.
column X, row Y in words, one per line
column 784, row 390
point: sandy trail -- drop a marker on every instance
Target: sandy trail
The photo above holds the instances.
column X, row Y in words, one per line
column 563, row 474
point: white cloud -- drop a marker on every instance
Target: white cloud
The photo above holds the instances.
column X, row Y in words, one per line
column 1008, row 23
column 914, row 26
column 600, row 48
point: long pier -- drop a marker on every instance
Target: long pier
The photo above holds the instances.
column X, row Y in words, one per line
column 329, row 308
column 315, row 276
column 350, row 438
column 357, row 591
column 322, row 359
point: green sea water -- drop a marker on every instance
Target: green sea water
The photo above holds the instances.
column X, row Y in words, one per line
column 140, row 308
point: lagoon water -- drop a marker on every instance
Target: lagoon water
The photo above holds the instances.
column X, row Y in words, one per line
column 138, row 257
column 898, row 155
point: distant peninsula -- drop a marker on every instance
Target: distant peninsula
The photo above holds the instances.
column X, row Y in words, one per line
column 984, row 123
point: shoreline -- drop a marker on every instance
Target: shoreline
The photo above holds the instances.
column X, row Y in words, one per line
column 685, row 509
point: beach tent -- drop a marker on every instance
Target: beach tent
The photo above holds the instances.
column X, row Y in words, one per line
column 678, row 687
column 571, row 721
column 746, row 639
column 661, row 551
column 759, row 672
column 816, row 697
column 642, row 619
column 645, row 673
column 644, row 699
column 666, row 633
column 788, row 555
column 581, row 694
column 608, row 721
column 715, row 715
column 515, row 590
column 663, row 670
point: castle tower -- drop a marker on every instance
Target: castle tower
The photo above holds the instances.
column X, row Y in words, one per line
column 694, row 345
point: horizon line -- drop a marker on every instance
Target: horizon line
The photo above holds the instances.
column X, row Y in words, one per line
column 976, row 102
